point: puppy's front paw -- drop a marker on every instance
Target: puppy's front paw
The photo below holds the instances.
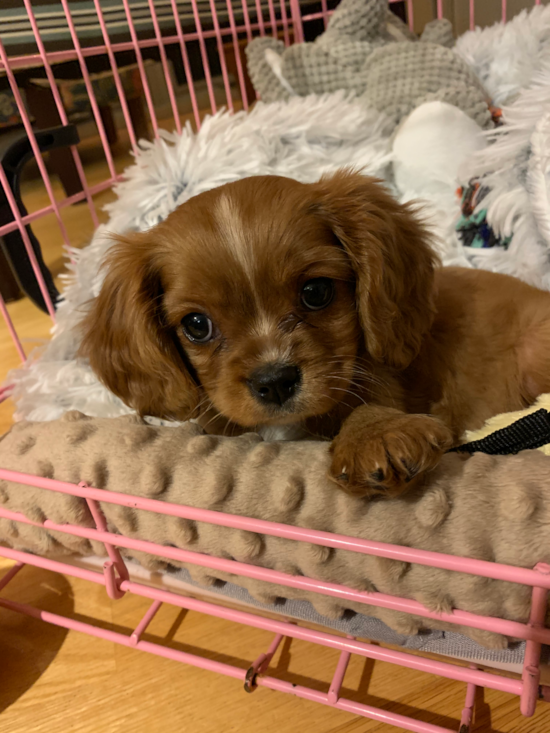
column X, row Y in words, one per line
column 380, row 450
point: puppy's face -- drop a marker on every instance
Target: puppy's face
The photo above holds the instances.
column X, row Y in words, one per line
column 262, row 300
column 257, row 299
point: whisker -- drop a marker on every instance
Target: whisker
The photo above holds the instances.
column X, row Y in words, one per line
column 348, row 380
column 195, row 409
column 363, row 375
column 336, row 402
column 215, row 416
column 349, row 391
column 341, row 402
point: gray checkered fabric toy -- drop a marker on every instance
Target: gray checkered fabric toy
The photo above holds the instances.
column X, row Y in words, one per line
column 369, row 51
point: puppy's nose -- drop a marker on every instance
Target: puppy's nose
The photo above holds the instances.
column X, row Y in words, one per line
column 274, row 383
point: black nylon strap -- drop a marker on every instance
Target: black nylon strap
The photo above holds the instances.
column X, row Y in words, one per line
column 529, row 432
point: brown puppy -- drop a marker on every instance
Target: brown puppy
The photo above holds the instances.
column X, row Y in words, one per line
column 269, row 302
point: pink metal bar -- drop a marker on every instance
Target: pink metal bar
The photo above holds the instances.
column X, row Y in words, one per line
column 486, row 569
column 114, row 636
column 145, row 621
column 284, row 19
column 11, row 573
column 59, row 56
column 89, row 88
column 504, row 11
column 439, row 9
column 263, row 661
column 237, row 53
column 116, row 76
column 53, row 565
column 164, row 62
column 367, row 711
column 338, row 678
column 221, row 56
column 272, row 17
column 410, row 14
column 324, row 7
column 260, row 665
column 32, row 140
column 201, row 35
column 507, row 628
column 136, row 47
column 12, row 331
column 62, row 204
column 315, row 16
column 101, row 525
column 60, row 109
column 531, row 660
column 111, row 581
column 246, row 18
column 260, row 17
column 364, row 649
column 26, row 241
column 186, row 65
column 468, row 709
column 443, row 669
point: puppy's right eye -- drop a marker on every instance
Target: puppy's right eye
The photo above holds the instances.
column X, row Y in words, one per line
column 197, row 327
column 318, row 293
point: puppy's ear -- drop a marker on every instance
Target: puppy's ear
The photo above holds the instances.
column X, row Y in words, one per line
column 390, row 251
column 127, row 341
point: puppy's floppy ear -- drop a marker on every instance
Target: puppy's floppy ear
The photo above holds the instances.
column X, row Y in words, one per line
column 126, row 340
column 390, row 251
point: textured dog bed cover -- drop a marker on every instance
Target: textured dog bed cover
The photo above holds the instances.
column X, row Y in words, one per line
column 492, row 508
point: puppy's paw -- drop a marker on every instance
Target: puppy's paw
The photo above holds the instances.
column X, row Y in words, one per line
column 380, row 450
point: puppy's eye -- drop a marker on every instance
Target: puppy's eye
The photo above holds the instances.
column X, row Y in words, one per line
column 318, row 293
column 197, row 327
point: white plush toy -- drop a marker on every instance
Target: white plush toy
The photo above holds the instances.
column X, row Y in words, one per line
column 431, row 145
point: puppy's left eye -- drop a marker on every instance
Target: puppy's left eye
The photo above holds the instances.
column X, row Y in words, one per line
column 197, row 327
column 318, row 293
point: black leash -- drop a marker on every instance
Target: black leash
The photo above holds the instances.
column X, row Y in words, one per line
column 527, row 433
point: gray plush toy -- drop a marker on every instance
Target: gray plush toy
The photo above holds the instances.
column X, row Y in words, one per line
column 369, row 51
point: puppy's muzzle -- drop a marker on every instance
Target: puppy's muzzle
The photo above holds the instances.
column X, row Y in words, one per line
column 274, row 384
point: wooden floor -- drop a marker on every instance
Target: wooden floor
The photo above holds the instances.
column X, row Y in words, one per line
column 53, row 680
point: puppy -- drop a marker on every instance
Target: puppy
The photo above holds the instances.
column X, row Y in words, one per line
column 269, row 303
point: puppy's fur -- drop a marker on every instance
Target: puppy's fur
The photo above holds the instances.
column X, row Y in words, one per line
column 405, row 357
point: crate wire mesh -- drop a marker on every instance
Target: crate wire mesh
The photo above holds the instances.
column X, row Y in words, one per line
column 205, row 33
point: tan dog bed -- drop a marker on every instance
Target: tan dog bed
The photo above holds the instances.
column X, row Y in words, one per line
column 487, row 507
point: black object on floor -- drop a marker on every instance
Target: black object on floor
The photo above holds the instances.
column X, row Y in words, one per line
column 13, row 162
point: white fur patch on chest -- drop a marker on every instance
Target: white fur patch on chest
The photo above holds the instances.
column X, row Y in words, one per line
column 283, row 432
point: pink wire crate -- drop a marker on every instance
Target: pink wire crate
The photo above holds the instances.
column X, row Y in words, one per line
column 198, row 31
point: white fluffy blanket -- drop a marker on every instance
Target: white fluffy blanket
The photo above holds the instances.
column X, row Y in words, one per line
column 515, row 167
column 304, row 138
column 507, row 55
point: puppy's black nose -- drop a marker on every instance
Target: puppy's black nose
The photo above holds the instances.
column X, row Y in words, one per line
column 274, row 383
